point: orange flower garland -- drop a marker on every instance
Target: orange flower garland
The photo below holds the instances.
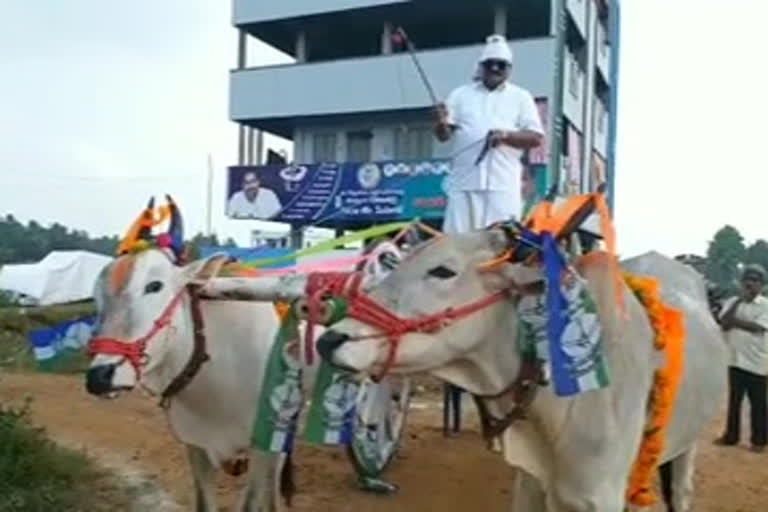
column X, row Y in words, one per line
column 669, row 328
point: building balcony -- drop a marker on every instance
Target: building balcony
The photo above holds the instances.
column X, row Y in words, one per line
column 276, row 98
column 574, row 80
column 247, row 12
column 578, row 11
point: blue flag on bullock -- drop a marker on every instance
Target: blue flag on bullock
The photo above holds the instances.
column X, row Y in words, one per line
column 56, row 347
column 573, row 326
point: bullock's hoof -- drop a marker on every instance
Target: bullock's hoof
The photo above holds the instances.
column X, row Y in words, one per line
column 757, row 448
column 377, row 486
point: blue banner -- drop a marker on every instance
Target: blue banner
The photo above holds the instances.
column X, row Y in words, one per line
column 54, row 346
column 338, row 192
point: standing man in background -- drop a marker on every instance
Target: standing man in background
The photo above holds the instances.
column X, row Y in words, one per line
column 485, row 183
column 745, row 322
column 489, row 109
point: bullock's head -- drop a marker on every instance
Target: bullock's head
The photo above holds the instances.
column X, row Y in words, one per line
column 133, row 294
column 143, row 306
column 437, row 276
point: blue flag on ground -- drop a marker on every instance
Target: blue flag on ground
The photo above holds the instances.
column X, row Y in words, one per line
column 54, row 346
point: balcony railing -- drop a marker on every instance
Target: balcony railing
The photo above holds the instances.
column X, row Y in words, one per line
column 371, row 84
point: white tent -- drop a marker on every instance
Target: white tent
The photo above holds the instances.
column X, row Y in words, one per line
column 60, row 277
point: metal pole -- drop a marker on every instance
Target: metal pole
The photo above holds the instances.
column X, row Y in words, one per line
column 209, row 197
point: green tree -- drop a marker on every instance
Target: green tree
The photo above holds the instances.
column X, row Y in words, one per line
column 725, row 255
column 757, row 253
column 30, row 243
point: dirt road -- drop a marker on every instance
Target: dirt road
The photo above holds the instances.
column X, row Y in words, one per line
column 450, row 475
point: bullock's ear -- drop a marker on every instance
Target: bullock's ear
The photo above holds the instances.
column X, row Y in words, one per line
column 201, row 271
column 498, row 240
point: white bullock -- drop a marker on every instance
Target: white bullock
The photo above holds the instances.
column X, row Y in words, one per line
column 206, row 358
column 574, row 454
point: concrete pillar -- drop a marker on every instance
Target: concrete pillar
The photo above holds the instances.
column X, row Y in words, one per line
column 242, row 60
column 386, row 39
column 301, row 46
column 500, row 19
column 249, row 146
column 297, row 237
column 554, row 6
column 589, row 95
column 242, row 49
column 259, row 147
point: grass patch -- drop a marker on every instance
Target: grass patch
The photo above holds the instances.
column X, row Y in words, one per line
column 37, row 475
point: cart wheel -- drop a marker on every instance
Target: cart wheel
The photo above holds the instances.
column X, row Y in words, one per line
column 382, row 409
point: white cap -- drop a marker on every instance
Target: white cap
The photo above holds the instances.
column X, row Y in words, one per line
column 496, row 48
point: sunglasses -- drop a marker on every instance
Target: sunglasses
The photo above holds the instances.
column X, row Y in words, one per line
column 493, row 65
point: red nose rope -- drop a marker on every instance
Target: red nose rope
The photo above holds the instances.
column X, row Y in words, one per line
column 392, row 327
column 134, row 351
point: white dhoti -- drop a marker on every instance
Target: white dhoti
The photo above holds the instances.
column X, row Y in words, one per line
column 469, row 210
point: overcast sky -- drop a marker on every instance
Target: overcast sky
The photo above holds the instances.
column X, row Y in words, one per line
column 105, row 103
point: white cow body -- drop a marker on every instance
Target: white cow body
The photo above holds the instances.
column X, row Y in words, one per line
column 575, row 454
column 214, row 414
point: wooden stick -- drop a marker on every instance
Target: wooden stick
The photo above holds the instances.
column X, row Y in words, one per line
column 259, row 289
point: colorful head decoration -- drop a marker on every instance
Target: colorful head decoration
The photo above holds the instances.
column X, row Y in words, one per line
column 139, row 237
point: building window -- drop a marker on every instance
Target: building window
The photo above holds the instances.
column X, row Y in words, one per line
column 359, row 146
column 573, row 76
column 602, row 41
column 413, row 143
column 600, row 113
column 324, row 147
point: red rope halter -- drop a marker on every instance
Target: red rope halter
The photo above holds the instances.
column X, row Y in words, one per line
column 135, row 351
column 363, row 308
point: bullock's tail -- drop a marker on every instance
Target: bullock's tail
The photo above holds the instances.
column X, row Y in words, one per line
column 287, row 481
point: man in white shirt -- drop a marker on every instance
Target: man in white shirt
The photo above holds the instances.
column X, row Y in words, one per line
column 253, row 200
column 485, row 190
column 745, row 322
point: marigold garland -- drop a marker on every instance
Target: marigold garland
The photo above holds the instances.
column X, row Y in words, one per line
column 669, row 329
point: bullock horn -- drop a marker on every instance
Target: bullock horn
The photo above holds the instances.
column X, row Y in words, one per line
column 146, row 219
column 175, row 228
column 140, row 229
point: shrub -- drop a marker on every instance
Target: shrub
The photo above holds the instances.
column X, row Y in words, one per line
column 35, row 473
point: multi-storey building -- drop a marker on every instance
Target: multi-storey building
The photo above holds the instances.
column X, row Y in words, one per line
column 352, row 95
